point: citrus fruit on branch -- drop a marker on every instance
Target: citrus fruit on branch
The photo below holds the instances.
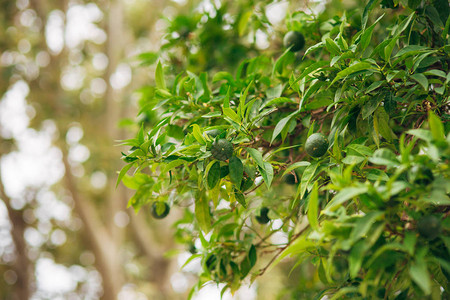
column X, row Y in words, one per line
column 295, row 40
column 222, row 149
column 160, row 210
column 316, row 145
column 214, row 132
column 429, row 227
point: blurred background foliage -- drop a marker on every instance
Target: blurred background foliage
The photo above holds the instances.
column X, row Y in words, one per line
column 68, row 72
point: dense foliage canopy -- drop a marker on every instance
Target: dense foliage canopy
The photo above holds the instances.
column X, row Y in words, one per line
column 222, row 139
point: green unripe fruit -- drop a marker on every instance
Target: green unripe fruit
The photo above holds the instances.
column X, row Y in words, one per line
column 222, row 149
column 192, row 249
column 316, row 145
column 429, row 227
column 214, row 132
column 290, row 179
column 160, row 210
column 420, row 175
column 263, row 217
column 295, row 40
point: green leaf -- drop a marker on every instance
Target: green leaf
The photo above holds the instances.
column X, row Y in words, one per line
column 421, row 79
column 223, row 76
column 298, row 246
column 410, row 242
column 410, row 50
column 278, row 66
column 307, row 176
column 242, row 100
column 198, row 134
column 265, row 168
column 236, row 170
column 384, row 157
column 436, row 126
column 435, row 72
column 313, row 68
column 343, row 291
column 360, row 66
column 381, row 118
column 317, row 84
column 122, row 173
column 296, row 165
column 231, row 114
column 419, row 273
column 239, row 196
column 356, row 257
column 352, row 159
column 344, row 195
column 313, row 206
column 363, row 225
column 332, row 47
column 367, row 35
column 159, row 76
column 191, row 258
column 367, row 9
column 173, row 164
column 446, row 29
column 278, row 100
column 404, row 24
column 376, row 174
column 371, row 106
column 244, row 22
column 389, row 48
column 421, row 134
column 360, row 149
column 267, row 173
column 281, row 124
column 226, row 100
column 252, row 255
column 213, row 175
column 257, row 156
column 202, row 212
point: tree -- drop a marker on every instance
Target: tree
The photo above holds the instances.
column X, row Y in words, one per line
column 68, row 95
column 371, row 213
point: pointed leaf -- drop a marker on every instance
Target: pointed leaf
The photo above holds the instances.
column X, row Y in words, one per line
column 202, row 212
column 236, row 170
column 213, row 175
column 159, row 76
column 313, row 207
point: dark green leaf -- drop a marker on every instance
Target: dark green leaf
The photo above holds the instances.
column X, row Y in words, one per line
column 236, row 170
column 214, row 175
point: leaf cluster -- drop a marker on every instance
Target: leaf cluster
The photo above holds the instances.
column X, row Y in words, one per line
column 356, row 212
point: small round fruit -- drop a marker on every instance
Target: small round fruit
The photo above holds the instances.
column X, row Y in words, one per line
column 222, row 149
column 160, row 210
column 429, row 227
column 192, row 249
column 316, row 145
column 421, row 175
column 263, row 218
column 290, row 179
column 214, row 132
column 295, row 40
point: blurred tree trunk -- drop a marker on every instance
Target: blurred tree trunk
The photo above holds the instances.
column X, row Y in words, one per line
column 97, row 210
column 22, row 266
